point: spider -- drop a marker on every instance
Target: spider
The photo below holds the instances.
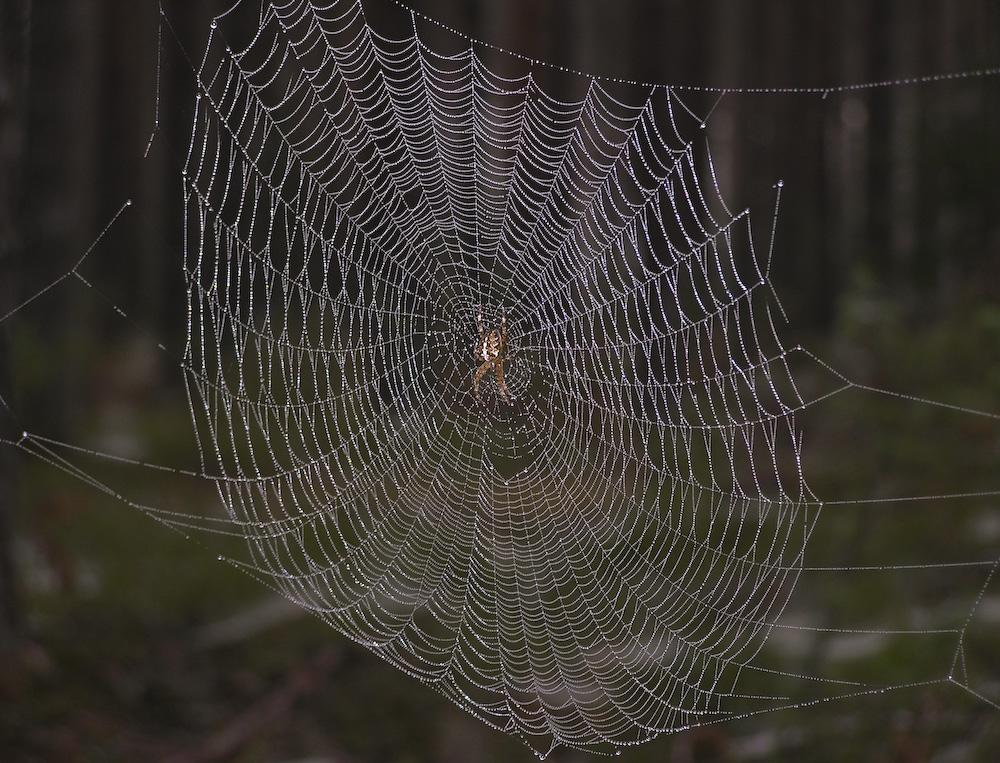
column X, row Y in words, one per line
column 492, row 350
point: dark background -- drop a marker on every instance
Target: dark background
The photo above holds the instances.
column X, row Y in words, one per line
column 124, row 641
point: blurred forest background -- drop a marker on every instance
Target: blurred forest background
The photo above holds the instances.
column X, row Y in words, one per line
column 121, row 640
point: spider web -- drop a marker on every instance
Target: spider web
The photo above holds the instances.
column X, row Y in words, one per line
column 602, row 557
column 599, row 560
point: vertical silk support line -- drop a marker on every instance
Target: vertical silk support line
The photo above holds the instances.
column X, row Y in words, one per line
column 156, row 92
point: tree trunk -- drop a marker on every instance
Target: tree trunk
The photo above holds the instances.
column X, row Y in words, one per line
column 847, row 137
column 14, row 17
column 905, row 106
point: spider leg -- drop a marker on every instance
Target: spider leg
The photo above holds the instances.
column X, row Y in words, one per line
column 500, row 382
column 479, row 374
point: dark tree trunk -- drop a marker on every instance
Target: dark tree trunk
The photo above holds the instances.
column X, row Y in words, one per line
column 847, row 127
column 904, row 126
column 14, row 20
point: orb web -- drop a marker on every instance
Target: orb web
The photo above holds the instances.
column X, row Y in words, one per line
column 597, row 544
column 593, row 551
column 589, row 562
